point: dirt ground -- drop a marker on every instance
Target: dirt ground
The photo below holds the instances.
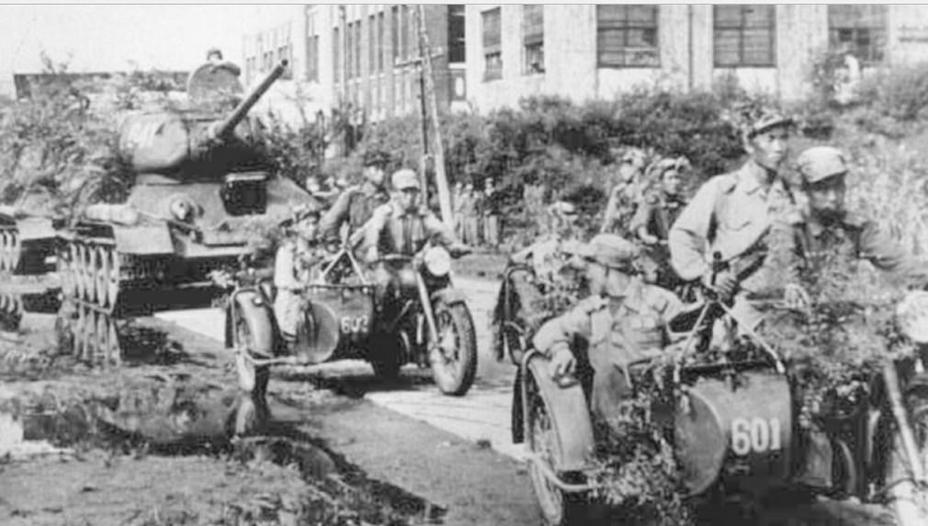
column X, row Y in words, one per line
column 152, row 444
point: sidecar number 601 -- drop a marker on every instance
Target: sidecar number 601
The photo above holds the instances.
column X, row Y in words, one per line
column 755, row 434
column 354, row 324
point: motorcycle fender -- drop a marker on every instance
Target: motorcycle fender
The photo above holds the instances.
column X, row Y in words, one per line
column 258, row 315
column 448, row 296
column 570, row 417
column 745, row 429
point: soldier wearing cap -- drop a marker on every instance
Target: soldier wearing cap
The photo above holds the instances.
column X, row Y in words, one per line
column 626, row 193
column 293, row 264
column 403, row 226
column 732, row 215
column 826, row 227
column 659, row 210
column 356, row 204
column 624, row 320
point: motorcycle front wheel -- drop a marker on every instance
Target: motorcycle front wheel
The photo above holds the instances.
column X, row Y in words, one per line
column 454, row 362
column 910, row 502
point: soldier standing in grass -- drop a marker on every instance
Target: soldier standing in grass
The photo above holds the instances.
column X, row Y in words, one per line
column 491, row 212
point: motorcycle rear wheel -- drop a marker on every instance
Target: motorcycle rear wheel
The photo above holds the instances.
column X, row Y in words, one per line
column 454, row 364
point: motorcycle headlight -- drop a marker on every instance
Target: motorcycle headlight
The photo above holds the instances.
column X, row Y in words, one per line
column 912, row 316
column 437, row 261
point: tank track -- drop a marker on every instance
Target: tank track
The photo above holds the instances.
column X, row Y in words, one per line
column 23, row 287
column 90, row 271
column 10, row 249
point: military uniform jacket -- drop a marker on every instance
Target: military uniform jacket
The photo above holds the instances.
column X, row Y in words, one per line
column 853, row 238
column 626, row 329
column 354, row 206
column 657, row 214
column 732, row 214
column 395, row 231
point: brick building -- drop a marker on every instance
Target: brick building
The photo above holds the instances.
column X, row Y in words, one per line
column 357, row 55
column 597, row 51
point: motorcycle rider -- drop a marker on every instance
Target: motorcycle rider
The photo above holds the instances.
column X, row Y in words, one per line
column 355, row 205
column 293, row 264
column 825, row 226
column 658, row 211
column 403, row 226
column 624, row 320
column 736, row 215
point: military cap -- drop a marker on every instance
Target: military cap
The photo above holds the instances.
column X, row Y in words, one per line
column 405, row 178
column 303, row 211
column 754, row 118
column 634, row 156
column 608, row 250
column 661, row 166
column 821, row 162
column 562, row 208
column 376, row 158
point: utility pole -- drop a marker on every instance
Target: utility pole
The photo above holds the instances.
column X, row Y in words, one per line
column 427, row 82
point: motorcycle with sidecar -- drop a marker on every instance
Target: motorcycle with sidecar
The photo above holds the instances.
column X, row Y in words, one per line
column 423, row 320
column 735, row 428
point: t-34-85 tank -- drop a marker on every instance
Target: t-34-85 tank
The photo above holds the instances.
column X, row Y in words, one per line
column 200, row 181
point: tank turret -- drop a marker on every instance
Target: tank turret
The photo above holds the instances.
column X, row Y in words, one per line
column 202, row 189
column 200, row 141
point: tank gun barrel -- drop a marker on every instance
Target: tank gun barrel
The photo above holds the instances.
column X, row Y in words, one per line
column 224, row 127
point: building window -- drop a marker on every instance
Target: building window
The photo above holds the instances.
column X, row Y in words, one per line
column 492, row 48
column 357, row 49
column 533, row 38
column 312, row 58
column 372, row 45
column 382, row 48
column 626, row 36
column 860, row 29
column 410, row 32
column 745, row 35
column 395, row 33
column 456, row 38
column 336, row 58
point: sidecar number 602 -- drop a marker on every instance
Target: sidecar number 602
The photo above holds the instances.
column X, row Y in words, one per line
column 354, row 324
column 755, row 434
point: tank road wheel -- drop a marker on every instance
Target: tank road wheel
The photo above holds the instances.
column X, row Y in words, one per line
column 113, row 347
column 112, row 287
column 15, row 250
column 4, row 250
column 557, row 507
column 94, row 269
column 454, row 363
column 910, row 502
column 65, row 327
column 101, row 283
column 77, row 266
